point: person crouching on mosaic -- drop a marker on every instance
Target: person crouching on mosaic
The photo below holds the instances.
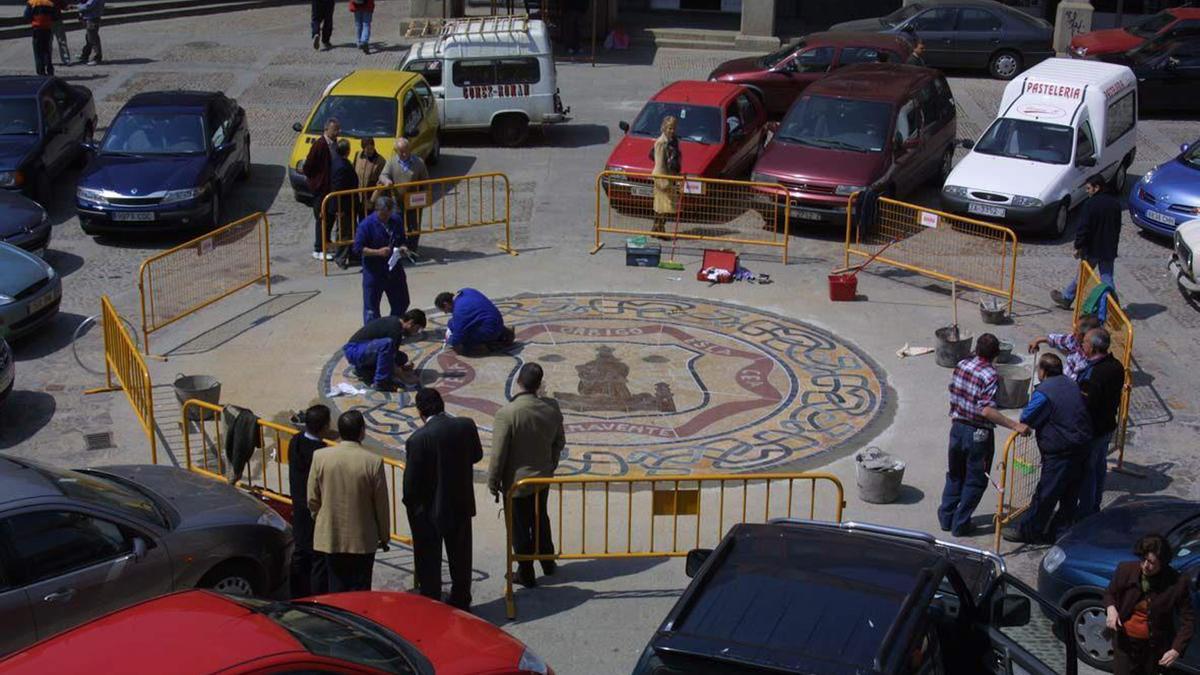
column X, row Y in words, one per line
column 379, row 241
column 374, row 350
column 474, row 322
column 667, row 162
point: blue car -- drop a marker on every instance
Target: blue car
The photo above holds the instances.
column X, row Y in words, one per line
column 165, row 164
column 30, row 292
column 44, row 123
column 1077, row 569
column 1168, row 195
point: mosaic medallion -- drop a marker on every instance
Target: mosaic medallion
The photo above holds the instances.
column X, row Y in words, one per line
column 652, row 385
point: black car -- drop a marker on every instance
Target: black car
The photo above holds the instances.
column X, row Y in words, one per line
column 968, row 34
column 23, row 223
column 1168, row 74
column 166, row 163
column 832, row 598
column 43, row 125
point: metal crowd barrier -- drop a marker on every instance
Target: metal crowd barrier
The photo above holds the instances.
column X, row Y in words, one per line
column 197, row 273
column 1120, row 328
column 122, row 358
column 725, row 212
column 204, row 453
column 675, row 515
column 436, row 205
column 1020, row 468
column 933, row 243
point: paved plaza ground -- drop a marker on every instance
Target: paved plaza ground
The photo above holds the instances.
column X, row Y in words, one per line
column 720, row 378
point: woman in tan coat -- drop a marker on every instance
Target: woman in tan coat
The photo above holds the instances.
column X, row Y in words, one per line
column 667, row 162
column 368, row 164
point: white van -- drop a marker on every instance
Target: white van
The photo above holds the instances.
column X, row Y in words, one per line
column 492, row 73
column 1059, row 123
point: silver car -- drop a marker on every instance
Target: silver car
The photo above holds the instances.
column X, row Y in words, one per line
column 78, row 544
column 30, row 292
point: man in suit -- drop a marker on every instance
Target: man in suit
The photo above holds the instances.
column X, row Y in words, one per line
column 318, row 173
column 299, row 461
column 527, row 439
column 439, row 495
column 347, row 494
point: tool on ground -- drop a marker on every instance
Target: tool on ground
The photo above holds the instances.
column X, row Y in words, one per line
column 671, row 264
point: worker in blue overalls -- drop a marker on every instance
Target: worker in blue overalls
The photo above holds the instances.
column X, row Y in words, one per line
column 379, row 241
column 475, row 322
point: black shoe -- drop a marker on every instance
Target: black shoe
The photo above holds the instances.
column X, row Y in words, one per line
column 384, row 386
column 316, row 42
column 1016, row 536
column 964, row 532
column 549, row 567
column 525, row 577
column 366, row 49
column 328, row 46
column 1059, row 299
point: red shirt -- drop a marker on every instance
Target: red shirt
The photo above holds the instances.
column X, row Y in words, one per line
column 365, row 6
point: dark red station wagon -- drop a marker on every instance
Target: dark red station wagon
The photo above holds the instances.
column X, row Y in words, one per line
column 780, row 76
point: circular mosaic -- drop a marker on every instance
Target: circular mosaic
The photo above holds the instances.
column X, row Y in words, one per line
column 650, row 385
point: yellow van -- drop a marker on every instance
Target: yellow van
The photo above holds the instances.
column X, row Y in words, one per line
column 384, row 104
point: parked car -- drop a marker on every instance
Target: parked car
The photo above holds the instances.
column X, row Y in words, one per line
column 205, row 632
column 30, row 292
column 1168, row 74
column 1183, row 258
column 968, row 34
column 1077, row 569
column 386, row 105
column 887, row 127
column 1169, row 193
column 501, row 76
column 811, row 597
column 779, row 77
column 8, row 370
column 78, row 544
column 1061, row 122
column 43, row 124
column 23, row 223
column 1168, row 24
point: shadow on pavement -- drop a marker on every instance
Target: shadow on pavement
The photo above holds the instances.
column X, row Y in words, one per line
column 36, row 409
column 259, row 314
column 50, row 338
column 1137, row 479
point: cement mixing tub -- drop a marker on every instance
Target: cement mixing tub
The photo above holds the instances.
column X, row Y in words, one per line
column 200, row 387
column 1012, row 389
column 878, row 475
column 952, row 346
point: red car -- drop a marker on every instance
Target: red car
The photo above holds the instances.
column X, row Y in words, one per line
column 779, row 77
column 206, row 632
column 1168, row 24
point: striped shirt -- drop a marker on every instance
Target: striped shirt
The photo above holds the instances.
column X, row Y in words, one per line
column 973, row 388
column 1076, row 361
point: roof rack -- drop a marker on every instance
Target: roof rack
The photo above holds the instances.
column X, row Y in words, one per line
column 484, row 26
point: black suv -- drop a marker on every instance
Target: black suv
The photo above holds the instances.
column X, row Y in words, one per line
column 808, row 597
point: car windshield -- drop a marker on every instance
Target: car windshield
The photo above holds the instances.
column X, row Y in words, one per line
column 18, row 117
column 1026, row 139
column 1151, row 25
column 899, row 16
column 334, row 633
column 771, row 60
column 359, row 116
column 837, row 123
column 1192, row 156
column 155, row 133
column 697, row 123
column 1186, row 539
column 102, row 491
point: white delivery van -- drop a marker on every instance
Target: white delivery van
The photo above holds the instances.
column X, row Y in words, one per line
column 1059, row 123
column 492, row 73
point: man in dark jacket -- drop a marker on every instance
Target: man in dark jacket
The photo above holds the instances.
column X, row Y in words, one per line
column 1096, row 237
column 1059, row 417
column 340, row 210
column 299, row 461
column 1101, row 380
column 42, row 15
column 322, row 23
column 90, row 12
column 439, row 496
column 318, row 173
column 1148, row 608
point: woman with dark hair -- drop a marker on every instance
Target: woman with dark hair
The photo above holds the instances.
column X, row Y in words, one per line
column 1149, row 610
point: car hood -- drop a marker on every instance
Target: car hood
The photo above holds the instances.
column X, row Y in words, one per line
column 1106, row 41
column 749, row 64
column 14, row 150
column 1107, row 537
column 1173, row 182
column 792, row 162
column 144, row 175
column 873, row 25
column 633, row 154
column 18, row 214
column 200, row 501
column 20, row 270
column 1005, row 174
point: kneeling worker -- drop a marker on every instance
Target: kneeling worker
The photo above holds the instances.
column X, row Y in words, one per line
column 374, row 349
column 474, row 321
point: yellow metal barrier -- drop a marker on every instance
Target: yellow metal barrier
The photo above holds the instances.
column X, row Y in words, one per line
column 1120, row 328
column 269, row 478
column 935, row 244
column 1020, row 468
column 687, row 511
column 706, row 209
column 122, row 358
column 197, row 273
column 431, row 206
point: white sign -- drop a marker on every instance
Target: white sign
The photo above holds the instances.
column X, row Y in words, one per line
column 928, row 219
column 206, row 246
column 693, row 187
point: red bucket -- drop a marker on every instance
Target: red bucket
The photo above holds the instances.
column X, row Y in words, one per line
column 843, row 287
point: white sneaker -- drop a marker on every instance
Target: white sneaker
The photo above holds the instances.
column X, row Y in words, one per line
column 329, row 256
column 317, row 255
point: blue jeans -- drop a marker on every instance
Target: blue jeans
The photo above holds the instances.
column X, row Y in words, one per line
column 1058, row 486
column 394, row 286
column 373, row 359
column 1095, row 469
column 970, row 458
column 362, row 27
column 1103, row 267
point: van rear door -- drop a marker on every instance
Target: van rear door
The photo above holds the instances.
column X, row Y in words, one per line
column 1085, row 149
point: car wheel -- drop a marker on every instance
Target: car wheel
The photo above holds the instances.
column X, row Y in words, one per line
column 1004, row 65
column 435, row 155
column 234, row 578
column 946, row 166
column 244, row 174
column 1058, row 226
column 510, row 130
column 216, row 207
column 1120, row 179
column 1088, row 631
column 89, row 135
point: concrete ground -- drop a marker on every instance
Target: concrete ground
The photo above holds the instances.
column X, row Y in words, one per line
column 269, row 351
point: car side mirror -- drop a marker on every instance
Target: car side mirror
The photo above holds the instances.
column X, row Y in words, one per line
column 623, row 126
column 1086, row 162
column 1171, row 63
column 224, row 148
column 1184, row 147
column 966, row 143
column 139, row 548
column 1013, row 611
column 695, row 560
column 773, row 126
column 297, row 127
column 88, row 147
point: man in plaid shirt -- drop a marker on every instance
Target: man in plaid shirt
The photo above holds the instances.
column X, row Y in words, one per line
column 1070, row 344
column 974, row 418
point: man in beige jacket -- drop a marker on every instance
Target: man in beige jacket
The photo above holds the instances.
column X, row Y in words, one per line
column 527, row 439
column 347, row 494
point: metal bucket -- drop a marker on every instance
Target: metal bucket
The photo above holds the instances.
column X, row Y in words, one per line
column 952, row 346
column 992, row 311
column 200, row 387
column 1012, row 388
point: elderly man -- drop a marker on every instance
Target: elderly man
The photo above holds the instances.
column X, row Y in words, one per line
column 1101, row 380
column 379, row 242
column 318, row 170
column 405, row 167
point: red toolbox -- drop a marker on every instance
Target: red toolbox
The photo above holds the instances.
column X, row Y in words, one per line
column 724, row 260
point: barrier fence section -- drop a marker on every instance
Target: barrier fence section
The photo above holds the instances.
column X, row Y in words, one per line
column 1120, row 328
column 203, row 430
column 1020, row 467
column 936, row 244
column 426, row 207
column 704, row 209
column 123, row 359
column 197, row 273
column 675, row 515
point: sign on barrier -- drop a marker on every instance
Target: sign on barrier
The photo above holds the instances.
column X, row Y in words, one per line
column 725, row 212
column 933, row 243
column 122, row 358
column 1020, row 467
column 197, row 273
column 674, row 516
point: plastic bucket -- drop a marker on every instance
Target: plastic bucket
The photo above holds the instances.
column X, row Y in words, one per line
column 843, row 287
column 952, row 346
column 1012, row 387
column 200, row 387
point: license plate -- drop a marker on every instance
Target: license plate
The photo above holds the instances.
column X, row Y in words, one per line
column 804, row 214
column 133, row 216
column 38, row 304
column 641, row 190
column 1160, row 218
column 986, row 210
